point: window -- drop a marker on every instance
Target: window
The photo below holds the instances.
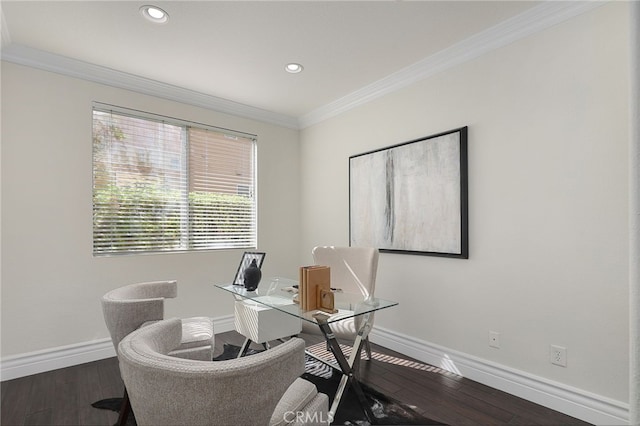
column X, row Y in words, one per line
column 162, row 184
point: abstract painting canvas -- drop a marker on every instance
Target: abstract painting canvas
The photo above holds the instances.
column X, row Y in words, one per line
column 412, row 197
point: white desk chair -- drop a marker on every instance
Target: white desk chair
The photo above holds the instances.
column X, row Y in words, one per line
column 353, row 270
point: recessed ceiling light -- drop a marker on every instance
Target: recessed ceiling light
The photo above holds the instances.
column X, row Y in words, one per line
column 293, row 68
column 154, row 14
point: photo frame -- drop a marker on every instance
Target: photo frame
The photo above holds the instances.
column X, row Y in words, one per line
column 412, row 197
column 247, row 258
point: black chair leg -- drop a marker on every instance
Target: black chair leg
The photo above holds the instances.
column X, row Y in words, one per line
column 125, row 409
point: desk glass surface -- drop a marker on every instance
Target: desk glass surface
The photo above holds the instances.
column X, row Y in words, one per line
column 277, row 293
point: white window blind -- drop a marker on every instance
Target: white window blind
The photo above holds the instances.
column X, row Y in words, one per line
column 163, row 184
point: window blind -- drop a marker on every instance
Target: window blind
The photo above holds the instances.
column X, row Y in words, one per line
column 170, row 185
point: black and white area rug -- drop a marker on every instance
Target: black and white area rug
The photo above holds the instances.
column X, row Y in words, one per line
column 386, row 410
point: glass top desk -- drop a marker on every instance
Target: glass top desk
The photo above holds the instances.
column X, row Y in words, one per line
column 279, row 293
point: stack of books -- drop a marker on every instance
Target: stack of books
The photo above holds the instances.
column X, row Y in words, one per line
column 314, row 291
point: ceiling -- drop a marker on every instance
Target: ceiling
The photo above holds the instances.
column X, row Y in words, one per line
column 237, row 50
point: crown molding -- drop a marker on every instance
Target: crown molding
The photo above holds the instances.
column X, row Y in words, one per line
column 35, row 58
column 534, row 20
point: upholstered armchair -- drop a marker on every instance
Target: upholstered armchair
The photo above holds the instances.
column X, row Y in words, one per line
column 260, row 389
column 128, row 308
column 353, row 270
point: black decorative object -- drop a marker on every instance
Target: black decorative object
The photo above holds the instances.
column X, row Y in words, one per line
column 252, row 275
column 247, row 259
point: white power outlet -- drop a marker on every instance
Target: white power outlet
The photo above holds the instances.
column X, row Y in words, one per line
column 558, row 355
column 494, row 339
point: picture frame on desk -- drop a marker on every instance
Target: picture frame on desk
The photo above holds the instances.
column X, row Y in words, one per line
column 247, row 258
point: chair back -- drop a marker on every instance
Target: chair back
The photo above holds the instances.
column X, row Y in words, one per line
column 353, row 269
column 165, row 390
column 126, row 308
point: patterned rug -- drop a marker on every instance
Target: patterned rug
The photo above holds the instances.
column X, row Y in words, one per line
column 386, row 410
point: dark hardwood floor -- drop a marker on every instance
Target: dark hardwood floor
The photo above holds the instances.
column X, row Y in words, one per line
column 64, row 397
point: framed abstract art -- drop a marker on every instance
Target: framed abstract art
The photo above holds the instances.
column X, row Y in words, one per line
column 412, row 197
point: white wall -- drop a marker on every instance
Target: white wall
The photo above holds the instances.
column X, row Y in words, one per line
column 51, row 284
column 634, row 214
column 548, row 129
column 548, row 132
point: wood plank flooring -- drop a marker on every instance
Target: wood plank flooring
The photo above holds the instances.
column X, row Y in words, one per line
column 64, row 397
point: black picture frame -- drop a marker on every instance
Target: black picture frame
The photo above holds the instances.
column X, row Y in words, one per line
column 247, row 257
column 412, row 197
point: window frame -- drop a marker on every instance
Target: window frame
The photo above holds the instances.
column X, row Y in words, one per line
column 187, row 242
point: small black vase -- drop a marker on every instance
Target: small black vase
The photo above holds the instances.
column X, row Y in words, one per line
column 252, row 276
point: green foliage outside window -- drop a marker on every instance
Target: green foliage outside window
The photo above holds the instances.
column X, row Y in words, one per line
column 148, row 218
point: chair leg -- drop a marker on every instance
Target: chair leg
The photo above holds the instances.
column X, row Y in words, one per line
column 125, row 409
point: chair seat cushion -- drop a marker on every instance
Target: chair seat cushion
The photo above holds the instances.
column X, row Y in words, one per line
column 295, row 399
column 196, row 331
column 198, row 339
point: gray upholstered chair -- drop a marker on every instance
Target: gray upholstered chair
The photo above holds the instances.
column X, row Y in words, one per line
column 260, row 389
column 353, row 270
column 128, row 308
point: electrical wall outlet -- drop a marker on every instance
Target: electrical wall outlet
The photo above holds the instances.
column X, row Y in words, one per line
column 494, row 339
column 558, row 355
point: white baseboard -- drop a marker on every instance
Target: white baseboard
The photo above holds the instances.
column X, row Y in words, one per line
column 574, row 402
column 51, row 359
column 224, row 324
column 30, row 363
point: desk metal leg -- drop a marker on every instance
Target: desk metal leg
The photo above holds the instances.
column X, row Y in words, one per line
column 349, row 374
column 367, row 347
column 247, row 343
column 244, row 348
